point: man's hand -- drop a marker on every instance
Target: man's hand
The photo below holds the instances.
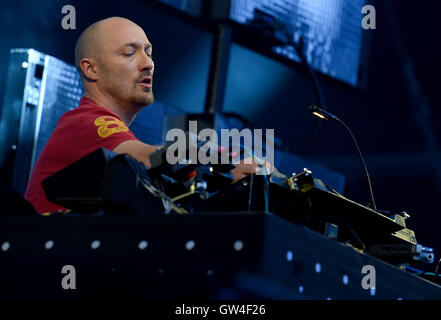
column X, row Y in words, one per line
column 245, row 167
column 249, row 166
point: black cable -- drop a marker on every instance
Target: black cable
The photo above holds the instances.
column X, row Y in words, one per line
column 299, row 48
column 251, row 192
column 304, row 59
column 277, row 31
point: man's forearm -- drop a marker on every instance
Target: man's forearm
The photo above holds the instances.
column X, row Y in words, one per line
column 138, row 150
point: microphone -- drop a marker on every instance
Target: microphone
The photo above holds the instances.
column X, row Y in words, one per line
column 323, row 114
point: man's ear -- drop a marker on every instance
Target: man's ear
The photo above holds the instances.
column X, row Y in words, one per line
column 88, row 69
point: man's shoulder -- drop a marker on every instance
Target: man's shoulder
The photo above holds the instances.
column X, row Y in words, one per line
column 89, row 122
column 85, row 114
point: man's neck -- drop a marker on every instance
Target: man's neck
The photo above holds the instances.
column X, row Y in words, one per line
column 102, row 101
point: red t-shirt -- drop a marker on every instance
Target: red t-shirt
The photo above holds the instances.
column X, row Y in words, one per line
column 78, row 133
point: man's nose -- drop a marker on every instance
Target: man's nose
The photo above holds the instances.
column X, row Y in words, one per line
column 146, row 62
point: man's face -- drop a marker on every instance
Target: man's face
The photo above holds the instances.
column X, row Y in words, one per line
column 125, row 68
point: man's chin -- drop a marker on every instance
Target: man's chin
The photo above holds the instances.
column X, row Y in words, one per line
column 145, row 101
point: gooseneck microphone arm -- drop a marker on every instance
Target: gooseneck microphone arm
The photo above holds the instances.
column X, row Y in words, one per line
column 329, row 116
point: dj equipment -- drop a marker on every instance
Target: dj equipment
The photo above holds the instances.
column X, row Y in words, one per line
column 308, row 201
column 102, row 180
column 109, row 183
column 284, row 161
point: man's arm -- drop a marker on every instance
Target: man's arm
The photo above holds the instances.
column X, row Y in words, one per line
column 138, row 150
column 142, row 151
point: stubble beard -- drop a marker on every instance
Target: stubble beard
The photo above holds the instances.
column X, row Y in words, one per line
column 144, row 99
column 124, row 92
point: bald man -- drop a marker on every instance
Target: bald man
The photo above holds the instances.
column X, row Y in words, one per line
column 114, row 57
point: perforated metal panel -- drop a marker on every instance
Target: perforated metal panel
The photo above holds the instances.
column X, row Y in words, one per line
column 39, row 89
column 50, row 88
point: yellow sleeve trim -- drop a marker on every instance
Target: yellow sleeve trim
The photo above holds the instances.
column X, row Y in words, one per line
column 104, row 130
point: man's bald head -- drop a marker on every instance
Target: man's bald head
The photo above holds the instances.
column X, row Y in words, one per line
column 114, row 57
column 89, row 43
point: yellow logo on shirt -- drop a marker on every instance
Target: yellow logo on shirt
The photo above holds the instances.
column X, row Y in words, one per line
column 108, row 125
